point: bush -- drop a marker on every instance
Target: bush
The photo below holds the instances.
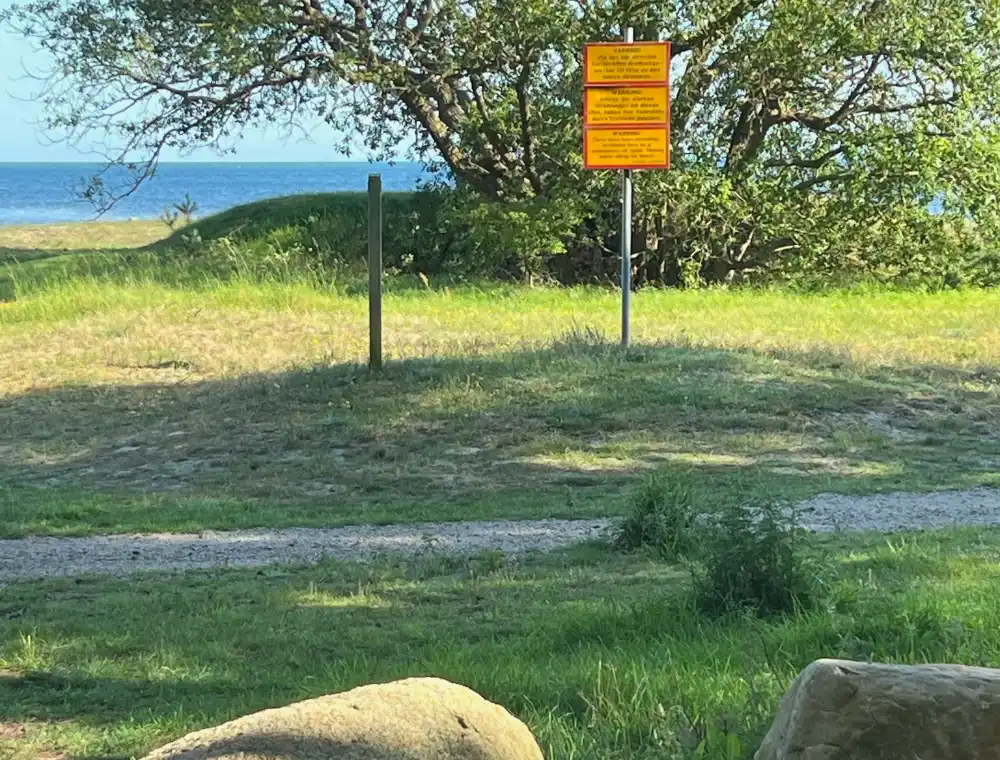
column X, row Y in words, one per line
column 438, row 230
column 756, row 559
column 663, row 519
column 515, row 240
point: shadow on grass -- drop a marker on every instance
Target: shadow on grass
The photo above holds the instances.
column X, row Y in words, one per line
column 50, row 696
column 550, row 433
column 24, row 255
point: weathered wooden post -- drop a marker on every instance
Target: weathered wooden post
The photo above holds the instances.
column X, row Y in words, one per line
column 375, row 272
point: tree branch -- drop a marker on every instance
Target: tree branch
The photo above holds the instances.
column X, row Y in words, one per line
column 719, row 26
column 527, row 139
column 806, row 163
column 823, row 179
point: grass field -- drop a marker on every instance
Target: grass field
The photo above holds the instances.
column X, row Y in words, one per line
column 130, row 404
column 137, row 395
column 603, row 656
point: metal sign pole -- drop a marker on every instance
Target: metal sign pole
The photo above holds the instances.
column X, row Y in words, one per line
column 626, row 126
column 627, row 240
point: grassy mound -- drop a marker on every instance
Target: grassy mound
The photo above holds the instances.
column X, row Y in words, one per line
column 327, row 228
column 317, row 238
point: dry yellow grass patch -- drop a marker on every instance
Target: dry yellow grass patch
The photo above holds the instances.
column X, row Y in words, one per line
column 86, row 236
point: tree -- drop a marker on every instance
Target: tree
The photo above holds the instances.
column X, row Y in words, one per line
column 801, row 128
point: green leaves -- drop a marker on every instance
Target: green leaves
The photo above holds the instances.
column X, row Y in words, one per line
column 794, row 121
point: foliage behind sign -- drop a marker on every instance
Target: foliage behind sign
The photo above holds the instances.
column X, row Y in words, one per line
column 809, row 136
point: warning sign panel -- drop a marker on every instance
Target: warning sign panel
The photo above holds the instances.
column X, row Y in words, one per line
column 626, row 106
column 623, row 64
column 638, row 148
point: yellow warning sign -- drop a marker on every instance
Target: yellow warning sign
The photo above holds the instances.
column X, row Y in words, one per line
column 635, row 63
column 626, row 106
column 639, row 148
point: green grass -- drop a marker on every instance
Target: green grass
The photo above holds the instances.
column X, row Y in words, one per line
column 26, row 242
column 602, row 655
column 144, row 407
column 141, row 390
column 318, row 239
column 37, row 255
column 296, row 219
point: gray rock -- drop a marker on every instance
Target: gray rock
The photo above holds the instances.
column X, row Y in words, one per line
column 415, row 719
column 839, row 710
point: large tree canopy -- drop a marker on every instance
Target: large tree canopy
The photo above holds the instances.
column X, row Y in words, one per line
column 796, row 123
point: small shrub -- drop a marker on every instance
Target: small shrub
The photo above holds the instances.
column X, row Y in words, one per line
column 582, row 341
column 505, row 240
column 663, row 519
column 180, row 212
column 186, row 208
column 756, row 560
column 169, row 217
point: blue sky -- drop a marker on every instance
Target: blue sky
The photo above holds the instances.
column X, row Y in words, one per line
column 20, row 139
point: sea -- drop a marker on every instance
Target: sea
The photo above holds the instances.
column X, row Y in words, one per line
column 41, row 193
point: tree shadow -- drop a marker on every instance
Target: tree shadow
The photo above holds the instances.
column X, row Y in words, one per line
column 41, row 695
column 209, row 647
column 554, row 432
column 25, row 255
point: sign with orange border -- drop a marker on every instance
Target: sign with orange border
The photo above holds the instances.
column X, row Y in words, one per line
column 634, row 106
column 626, row 147
column 626, row 105
column 626, row 64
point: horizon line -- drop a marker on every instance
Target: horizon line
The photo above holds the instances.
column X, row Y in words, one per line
column 231, row 161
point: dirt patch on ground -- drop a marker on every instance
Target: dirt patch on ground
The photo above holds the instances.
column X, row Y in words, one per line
column 892, row 512
column 11, row 731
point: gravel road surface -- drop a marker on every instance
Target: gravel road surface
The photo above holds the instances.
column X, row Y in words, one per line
column 40, row 557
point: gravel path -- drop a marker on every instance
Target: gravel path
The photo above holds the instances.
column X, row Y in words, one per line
column 891, row 512
column 29, row 558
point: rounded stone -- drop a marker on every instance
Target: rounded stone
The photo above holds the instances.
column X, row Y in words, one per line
column 414, row 719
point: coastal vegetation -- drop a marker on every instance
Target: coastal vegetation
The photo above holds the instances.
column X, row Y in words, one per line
column 814, row 142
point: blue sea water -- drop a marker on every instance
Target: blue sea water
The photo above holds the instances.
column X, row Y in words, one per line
column 49, row 192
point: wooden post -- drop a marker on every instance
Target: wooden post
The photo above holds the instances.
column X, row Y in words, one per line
column 375, row 272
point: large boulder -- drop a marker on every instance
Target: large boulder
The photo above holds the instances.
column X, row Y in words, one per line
column 839, row 710
column 416, row 719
